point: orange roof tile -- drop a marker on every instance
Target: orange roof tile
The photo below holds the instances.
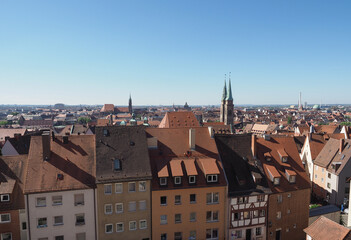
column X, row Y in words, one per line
column 176, row 168
column 162, row 171
column 208, row 165
column 190, row 167
column 272, row 170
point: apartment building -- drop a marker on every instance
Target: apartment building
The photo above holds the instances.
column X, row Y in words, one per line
column 13, row 223
column 188, row 185
column 332, row 170
column 123, row 178
column 248, row 190
column 288, row 205
column 59, row 188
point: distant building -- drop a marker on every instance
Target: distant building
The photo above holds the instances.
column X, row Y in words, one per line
column 227, row 106
column 130, row 107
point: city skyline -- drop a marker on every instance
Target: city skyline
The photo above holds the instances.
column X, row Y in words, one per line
column 164, row 53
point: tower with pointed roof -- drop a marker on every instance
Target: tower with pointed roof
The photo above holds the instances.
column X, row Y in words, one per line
column 130, row 108
column 227, row 106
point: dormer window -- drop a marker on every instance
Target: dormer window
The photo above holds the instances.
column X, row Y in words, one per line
column 117, row 164
column 212, row 178
column 163, row 181
column 268, row 156
column 283, row 155
column 5, row 198
column 192, row 179
column 177, row 180
column 276, row 181
column 290, row 175
column 292, row 179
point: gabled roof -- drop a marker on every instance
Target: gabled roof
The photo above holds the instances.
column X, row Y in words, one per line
column 74, row 160
column 127, row 144
column 326, row 229
column 108, row 108
column 328, row 152
column 178, row 120
column 10, row 132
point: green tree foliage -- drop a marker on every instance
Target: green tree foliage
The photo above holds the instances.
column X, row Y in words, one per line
column 3, row 122
column 289, row 119
column 346, row 124
column 83, row 120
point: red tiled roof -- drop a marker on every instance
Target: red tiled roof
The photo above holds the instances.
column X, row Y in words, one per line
column 326, row 229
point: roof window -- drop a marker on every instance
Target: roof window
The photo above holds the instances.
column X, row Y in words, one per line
column 117, row 164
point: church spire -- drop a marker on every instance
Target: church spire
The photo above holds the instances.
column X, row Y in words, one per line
column 229, row 92
column 224, row 96
column 130, row 107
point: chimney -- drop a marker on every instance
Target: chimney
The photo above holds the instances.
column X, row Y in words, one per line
column 254, row 145
column 192, row 139
column 65, row 139
column 46, row 145
column 341, row 148
column 17, row 136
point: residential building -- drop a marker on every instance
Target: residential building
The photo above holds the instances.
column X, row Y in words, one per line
column 326, row 229
column 179, row 119
column 248, row 190
column 13, row 223
column 188, row 185
column 59, row 187
column 123, row 178
column 289, row 184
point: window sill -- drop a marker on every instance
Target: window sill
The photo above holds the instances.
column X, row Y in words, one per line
column 58, row 224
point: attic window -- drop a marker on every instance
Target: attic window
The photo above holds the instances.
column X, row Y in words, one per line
column 117, row 165
column 276, row 181
column 5, row 198
column 268, row 156
column 212, row 178
column 163, row 181
column 106, row 133
column 192, row 179
column 59, row 176
column 177, row 180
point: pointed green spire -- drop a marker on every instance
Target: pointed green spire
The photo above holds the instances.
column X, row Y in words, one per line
column 224, row 91
column 229, row 92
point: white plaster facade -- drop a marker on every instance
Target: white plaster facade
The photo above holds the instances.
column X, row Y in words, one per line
column 69, row 212
column 306, row 157
column 249, row 223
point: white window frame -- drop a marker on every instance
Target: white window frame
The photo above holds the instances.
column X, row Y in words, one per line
column 119, row 184
column 122, row 224
column 192, row 179
column 78, row 203
column 40, row 205
column 105, row 208
column 119, row 204
column 133, row 229
column 42, row 226
column 163, row 181
column 129, row 204
column 56, row 202
column 2, row 235
column 212, row 178
column 141, row 189
column 59, row 223
column 141, row 222
column 213, row 194
column 177, row 180
column 163, row 221
column 140, row 204
column 79, row 215
column 105, row 186
column 130, row 184
column 7, row 214
column 109, row 224
column 3, row 196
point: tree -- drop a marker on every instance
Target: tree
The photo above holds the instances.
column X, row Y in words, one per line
column 289, row 119
column 83, row 120
column 3, row 122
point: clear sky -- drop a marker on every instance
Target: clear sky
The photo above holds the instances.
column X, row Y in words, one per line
column 165, row 52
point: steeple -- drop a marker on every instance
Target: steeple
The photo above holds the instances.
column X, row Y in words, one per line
column 130, row 108
column 224, row 90
column 229, row 92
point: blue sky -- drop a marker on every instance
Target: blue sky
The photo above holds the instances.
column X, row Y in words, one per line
column 165, row 52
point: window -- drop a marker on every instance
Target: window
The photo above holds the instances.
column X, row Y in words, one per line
column 212, row 178
column 211, row 216
column 163, row 181
column 178, row 236
column 108, row 228
column 287, row 229
column 132, row 225
column 41, row 202
column 258, row 231
column 316, row 167
column 276, row 181
column 192, row 235
column 294, row 226
column 6, row 236
column 322, row 169
column 106, row 133
column 289, row 195
column 288, row 211
column 78, row 199
column 322, row 180
column 315, row 176
column 177, row 199
column 193, row 217
column 42, row 222
column 5, row 198
column 240, row 200
column 119, row 227
column 80, row 220
column 236, row 216
column 238, row 234
column 108, row 209
column 142, row 205
column 119, row 207
column 132, row 206
column 212, row 198
column 212, row 233
column 177, row 180
column 117, row 165
column 255, row 213
column 292, row 179
column 329, row 175
column 192, row 198
column 163, row 219
column 163, row 236
column 119, row 187
column 58, row 220
column 80, row 236
column 142, row 224
column 279, row 215
column 260, row 198
column 279, row 198
column 131, row 187
column 56, row 200
column 163, row 200
column 261, row 213
column 5, row 218
column 246, row 215
column 108, row 189
column 328, row 185
column 142, row 186
column 192, row 179
column 59, row 237
column 178, row 218
column 24, row 226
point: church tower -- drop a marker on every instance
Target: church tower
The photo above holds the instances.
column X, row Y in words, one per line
column 227, row 106
column 130, row 108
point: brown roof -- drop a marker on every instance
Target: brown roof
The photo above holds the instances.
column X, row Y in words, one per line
column 10, row 132
column 74, row 160
column 328, row 152
column 190, row 167
column 179, row 119
column 176, row 167
column 317, row 142
column 108, row 108
column 208, row 165
column 272, row 170
column 294, row 162
column 326, row 229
